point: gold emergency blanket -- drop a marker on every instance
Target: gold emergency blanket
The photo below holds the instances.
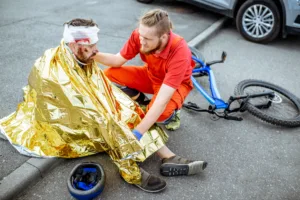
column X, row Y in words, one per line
column 69, row 112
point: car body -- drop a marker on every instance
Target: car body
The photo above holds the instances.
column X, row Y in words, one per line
column 257, row 20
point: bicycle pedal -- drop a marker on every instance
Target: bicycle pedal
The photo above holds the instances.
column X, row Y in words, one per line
column 191, row 104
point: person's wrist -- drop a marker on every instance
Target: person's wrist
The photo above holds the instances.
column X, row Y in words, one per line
column 137, row 134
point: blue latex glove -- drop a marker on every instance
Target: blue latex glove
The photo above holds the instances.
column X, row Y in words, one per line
column 137, row 134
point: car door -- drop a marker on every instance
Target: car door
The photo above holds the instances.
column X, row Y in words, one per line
column 219, row 4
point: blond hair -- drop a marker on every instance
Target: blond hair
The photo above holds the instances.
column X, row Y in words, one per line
column 157, row 18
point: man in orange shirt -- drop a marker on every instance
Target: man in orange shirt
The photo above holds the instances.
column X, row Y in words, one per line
column 166, row 75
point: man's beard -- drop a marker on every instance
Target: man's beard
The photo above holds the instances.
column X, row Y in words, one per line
column 83, row 58
column 151, row 51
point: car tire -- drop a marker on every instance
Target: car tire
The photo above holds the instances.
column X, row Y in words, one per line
column 145, row 1
column 259, row 21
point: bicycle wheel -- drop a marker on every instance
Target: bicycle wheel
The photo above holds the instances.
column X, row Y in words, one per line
column 195, row 52
column 284, row 109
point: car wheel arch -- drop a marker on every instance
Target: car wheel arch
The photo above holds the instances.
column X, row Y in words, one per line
column 237, row 5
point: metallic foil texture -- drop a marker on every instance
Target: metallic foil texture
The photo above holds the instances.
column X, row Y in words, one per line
column 70, row 112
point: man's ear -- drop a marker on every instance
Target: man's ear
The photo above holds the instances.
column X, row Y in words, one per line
column 165, row 36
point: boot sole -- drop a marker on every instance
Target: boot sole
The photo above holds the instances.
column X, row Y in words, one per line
column 173, row 169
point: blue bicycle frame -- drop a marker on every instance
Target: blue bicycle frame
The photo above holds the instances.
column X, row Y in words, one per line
column 215, row 99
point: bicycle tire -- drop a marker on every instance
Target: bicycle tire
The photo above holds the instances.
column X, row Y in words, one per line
column 195, row 52
column 287, row 99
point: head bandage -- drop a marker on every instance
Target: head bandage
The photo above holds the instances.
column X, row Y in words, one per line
column 81, row 34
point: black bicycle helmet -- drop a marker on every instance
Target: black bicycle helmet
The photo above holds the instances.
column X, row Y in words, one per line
column 86, row 181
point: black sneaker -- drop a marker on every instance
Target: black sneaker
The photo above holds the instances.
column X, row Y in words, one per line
column 151, row 183
column 176, row 166
column 142, row 98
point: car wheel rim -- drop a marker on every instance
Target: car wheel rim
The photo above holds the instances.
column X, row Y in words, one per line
column 258, row 21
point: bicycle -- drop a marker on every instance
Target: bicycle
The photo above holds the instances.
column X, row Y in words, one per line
column 262, row 101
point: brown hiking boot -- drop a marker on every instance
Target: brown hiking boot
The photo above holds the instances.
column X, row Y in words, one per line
column 176, row 166
column 151, row 183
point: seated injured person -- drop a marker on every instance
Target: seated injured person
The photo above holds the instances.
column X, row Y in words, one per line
column 71, row 109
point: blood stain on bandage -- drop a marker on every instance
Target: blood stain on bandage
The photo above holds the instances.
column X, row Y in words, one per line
column 83, row 40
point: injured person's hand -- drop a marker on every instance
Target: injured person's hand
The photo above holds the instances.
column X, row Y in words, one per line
column 137, row 134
